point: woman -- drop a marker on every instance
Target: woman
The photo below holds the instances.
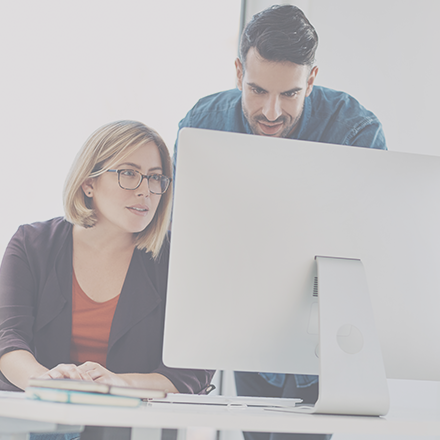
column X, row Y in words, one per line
column 83, row 297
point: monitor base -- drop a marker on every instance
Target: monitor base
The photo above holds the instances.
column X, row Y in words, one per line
column 352, row 375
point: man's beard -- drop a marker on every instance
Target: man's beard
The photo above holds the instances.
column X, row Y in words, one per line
column 287, row 131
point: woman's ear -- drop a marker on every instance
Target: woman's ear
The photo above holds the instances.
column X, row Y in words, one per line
column 87, row 188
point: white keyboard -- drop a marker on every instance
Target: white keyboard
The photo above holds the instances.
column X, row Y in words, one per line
column 230, row 401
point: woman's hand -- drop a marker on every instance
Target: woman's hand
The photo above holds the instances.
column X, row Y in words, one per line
column 98, row 373
column 66, row 371
column 153, row 381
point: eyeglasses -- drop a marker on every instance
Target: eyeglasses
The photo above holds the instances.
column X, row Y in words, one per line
column 132, row 179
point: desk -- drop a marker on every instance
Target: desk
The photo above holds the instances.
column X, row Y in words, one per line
column 146, row 419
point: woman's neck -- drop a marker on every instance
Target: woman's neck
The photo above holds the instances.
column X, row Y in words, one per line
column 102, row 239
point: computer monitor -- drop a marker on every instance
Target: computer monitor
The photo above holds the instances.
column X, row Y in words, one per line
column 251, row 213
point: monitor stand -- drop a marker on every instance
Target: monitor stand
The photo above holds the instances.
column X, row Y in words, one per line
column 352, row 375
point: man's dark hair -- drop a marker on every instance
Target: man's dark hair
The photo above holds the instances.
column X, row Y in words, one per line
column 280, row 33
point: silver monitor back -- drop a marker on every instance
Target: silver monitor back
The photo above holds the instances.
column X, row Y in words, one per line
column 250, row 215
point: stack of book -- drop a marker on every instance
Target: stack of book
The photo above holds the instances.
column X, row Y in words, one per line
column 89, row 393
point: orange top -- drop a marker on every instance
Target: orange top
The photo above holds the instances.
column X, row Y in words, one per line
column 91, row 323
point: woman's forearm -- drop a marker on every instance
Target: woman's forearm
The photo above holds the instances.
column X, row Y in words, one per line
column 153, row 381
column 19, row 366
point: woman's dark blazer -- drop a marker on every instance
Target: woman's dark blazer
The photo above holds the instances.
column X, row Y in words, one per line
column 36, row 306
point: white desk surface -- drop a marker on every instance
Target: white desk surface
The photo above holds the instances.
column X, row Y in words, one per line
column 424, row 422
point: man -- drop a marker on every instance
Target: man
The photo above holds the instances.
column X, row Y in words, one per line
column 276, row 96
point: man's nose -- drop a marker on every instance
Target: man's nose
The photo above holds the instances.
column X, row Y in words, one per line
column 272, row 108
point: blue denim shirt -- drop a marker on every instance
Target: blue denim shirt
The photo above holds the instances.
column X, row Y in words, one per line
column 329, row 116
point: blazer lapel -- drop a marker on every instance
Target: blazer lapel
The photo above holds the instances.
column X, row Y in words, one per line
column 53, row 322
column 139, row 297
column 56, row 293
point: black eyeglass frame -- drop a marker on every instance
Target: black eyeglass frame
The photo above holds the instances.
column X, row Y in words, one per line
column 143, row 176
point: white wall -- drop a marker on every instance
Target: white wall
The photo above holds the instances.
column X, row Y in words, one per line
column 385, row 53
column 68, row 67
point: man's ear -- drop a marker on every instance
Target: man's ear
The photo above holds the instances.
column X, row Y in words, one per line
column 311, row 80
column 87, row 187
column 239, row 72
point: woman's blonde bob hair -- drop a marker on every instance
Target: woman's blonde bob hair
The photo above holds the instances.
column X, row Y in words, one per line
column 105, row 148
